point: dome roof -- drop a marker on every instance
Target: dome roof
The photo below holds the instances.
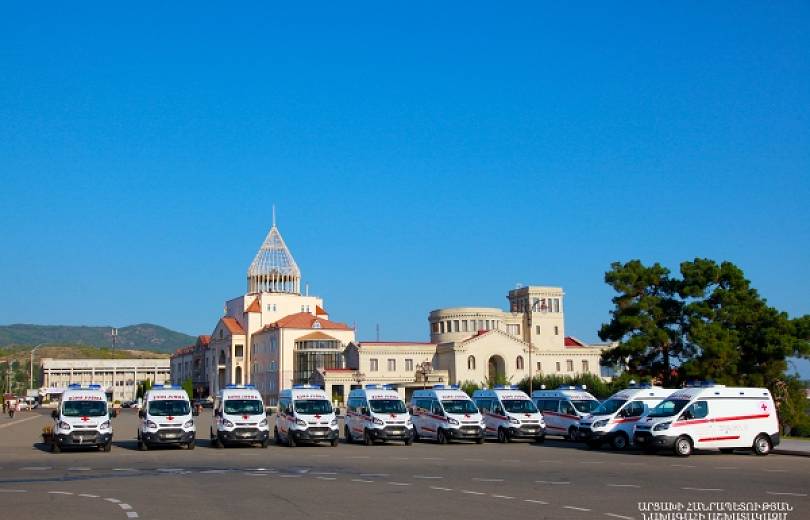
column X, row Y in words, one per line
column 274, row 268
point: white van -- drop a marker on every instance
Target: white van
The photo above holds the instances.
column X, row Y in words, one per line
column 711, row 416
column 510, row 414
column 445, row 413
column 305, row 414
column 613, row 420
column 239, row 417
column 377, row 413
column 563, row 408
column 82, row 419
column 166, row 418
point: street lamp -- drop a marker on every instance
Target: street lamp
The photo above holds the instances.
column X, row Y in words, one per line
column 358, row 377
column 424, row 368
column 31, row 371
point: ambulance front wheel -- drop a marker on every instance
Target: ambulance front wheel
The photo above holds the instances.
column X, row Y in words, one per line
column 762, row 445
column 367, row 439
column 503, row 436
column 620, row 441
column 142, row 446
column 333, row 442
column 408, row 441
column 683, row 446
column 441, row 436
column 572, row 433
column 265, row 442
column 190, row 445
column 276, row 436
column 107, row 446
column 55, row 447
column 348, row 435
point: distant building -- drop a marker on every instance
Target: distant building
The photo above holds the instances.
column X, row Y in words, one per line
column 191, row 363
column 118, row 377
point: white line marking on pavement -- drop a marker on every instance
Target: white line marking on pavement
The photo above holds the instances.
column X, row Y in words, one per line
column 488, row 479
column 432, row 458
column 113, row 500
column 400, row 484
column 371, row 475
column 59, row 493
column 701, row 489
column 428, row 477
column 170, row 470
column 13, row 491
column 437, row 488
column 629, row 464
column 624, row 485
column 550, row 482
column 726, row 467
column 217, row 471
column 682, row 466
column 592, row 462
column 776, row 470
column 125, row 469
column 132, row 514
column 502, row 496
column 285, row 475
column 36, row 468
column 468, row 492
column 255, row 474
column 577, row 508
column 535, row 501
column 19, row 421
column 326, row 478
column 323, row 473
column 87, row 495
column 787, row 494
column 79, row 468
column 620, row 516
column 125, row 507
column 362, row 480
column 359, row 457
column 474, row 460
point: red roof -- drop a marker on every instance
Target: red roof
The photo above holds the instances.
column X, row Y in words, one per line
column 183, row 350
column 396, row 343
column 573, row 343
column 232, row 325
column 254, row 307
column 203, row 340
column 305, row 320
column 319, row 311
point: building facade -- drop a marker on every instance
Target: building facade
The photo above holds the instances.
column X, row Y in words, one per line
column 191, row 363
column 119, row 377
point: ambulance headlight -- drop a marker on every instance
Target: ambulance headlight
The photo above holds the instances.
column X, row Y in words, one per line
column 512, row 420
column 62, row 425
column 151, row 424
column 334, row 422
column 450, row 420
column 226, row 423
column 105, row 425
column 300, row 422
column 378, row 421
column 661, row 427
column 483, row 423
column 600, row 424
column 189, row 423
column 263, row 423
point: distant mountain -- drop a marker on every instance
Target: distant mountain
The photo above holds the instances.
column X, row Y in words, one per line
column 144, row 336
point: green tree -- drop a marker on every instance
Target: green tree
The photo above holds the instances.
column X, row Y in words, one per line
column 188, row 386
column 646, row 320
column 469, row 387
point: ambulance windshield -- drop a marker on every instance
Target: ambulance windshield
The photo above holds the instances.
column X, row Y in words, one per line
column 243, row 406
column 668, row 408
column 313, row 407
column 459, row 406
column 609, row 407
column 387, row 406
column 84, row 408
column 519, row 406
column 165, row 408
column 585, row 406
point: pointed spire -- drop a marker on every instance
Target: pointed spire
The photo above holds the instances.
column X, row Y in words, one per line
column 274, row 215
column 274, row 268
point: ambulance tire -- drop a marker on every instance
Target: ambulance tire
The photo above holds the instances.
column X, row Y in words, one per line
column 479, row 440
column 142, row 446
column 191, row 445
column 55, row 447
column 620, row 442
column 762, row 445
column 572, row 434
column 683, row 446
column 408, row 441
column 265, row 442
column 217, row 443
column 415, row 434
column 290, row 440
column 348, row 435
column 107, row 446
column 503, row 436
column 367, row 440
column 441, row 437
column 276, row 436
column 333, row 443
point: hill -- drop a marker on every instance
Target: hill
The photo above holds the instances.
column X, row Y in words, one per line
column 144, row 336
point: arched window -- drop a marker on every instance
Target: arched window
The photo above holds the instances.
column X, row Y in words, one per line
column 519, row 363
column 471, row 363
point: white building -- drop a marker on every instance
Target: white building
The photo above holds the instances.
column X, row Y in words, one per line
column 118, row 377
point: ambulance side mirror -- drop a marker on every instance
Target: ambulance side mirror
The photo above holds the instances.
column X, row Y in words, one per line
column 55, row 414
column 410, row 410
column 141, row 413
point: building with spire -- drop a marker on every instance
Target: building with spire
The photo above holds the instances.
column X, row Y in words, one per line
column 273, row 336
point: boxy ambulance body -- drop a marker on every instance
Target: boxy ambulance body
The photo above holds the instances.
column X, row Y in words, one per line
column 82, row 419
column 305, row 414
column 563, row 408
column 239, row 417
column 711, row 416
column 377, row 413
column 613, row 420
column 510, row 414
column 445, row 413
column 166, row 418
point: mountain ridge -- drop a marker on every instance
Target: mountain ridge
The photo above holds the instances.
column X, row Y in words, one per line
column 145, row 336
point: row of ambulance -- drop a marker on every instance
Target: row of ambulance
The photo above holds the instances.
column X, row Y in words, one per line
column 651, row 418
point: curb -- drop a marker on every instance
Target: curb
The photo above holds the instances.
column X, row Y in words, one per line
column 795, row 453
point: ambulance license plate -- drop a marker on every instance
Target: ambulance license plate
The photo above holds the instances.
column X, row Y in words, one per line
column 170, row 435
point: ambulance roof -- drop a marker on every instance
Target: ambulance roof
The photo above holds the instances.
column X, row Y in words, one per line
column 375, row 393
column 574, row 395
column 92, row 393
column 443, row 394
column 305, row 392
column 240, row 393
column 718, row 391
column 501, row 393
column 642, row 393
column 166, row 393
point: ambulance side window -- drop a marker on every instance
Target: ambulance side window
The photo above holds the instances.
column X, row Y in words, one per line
column 552, row 405
column 633, row 409
column 437, row 408
column 353, row 404
column 698, row 410
column 423, row 405
column 485, row 405
column 567, row 408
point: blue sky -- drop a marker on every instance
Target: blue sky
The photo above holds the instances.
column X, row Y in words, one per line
column 419, row 156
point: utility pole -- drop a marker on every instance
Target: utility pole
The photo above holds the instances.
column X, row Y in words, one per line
column 31, row 371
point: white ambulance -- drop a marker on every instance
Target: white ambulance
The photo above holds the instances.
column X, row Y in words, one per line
column 612, row 422
column 510, row 414
column 166, row 418
column 305, row 414
column 445, row 413
column 711, row 416
column 563, row 408
column 377, row 412
column 239, row 417
column 82, row 419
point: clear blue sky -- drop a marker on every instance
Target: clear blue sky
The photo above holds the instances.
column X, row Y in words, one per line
column 419, row 156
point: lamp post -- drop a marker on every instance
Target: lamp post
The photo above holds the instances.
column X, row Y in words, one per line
column 358, row 377
column 31, row 368
column 425, row 368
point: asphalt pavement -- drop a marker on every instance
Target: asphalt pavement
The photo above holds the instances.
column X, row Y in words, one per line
column 558, row 480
